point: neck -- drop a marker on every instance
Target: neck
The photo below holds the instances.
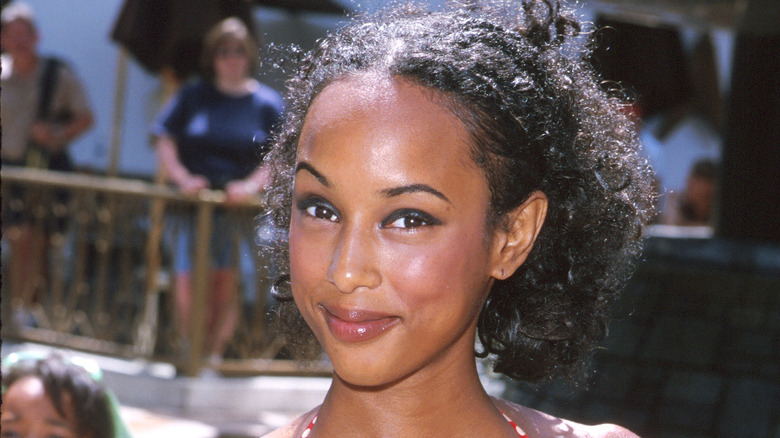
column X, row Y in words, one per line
column 235, row 87
column 446, row 401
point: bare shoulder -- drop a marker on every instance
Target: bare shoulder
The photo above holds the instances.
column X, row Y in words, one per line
column 295, row 428
column 536, row 423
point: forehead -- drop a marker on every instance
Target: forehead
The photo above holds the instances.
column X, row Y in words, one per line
column 366, row 91
column 382, row 131
column 229, row 40
column 27, row 398
column 18, row 25
column 29, row 386
column 379, row 106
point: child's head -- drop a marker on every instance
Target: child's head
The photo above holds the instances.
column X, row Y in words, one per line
column 537, row 121
column 698, row 197
column 55, row 398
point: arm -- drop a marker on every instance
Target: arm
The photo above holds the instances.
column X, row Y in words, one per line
column 55, row 138
column 243, row 190
column 174, row 171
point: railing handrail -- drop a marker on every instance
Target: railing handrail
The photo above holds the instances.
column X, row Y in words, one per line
column 75, row 309
column 118, row 185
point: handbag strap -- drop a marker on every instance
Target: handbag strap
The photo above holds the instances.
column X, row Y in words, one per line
column 47, row 86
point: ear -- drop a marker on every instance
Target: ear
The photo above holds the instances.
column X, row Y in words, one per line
column 516, row 236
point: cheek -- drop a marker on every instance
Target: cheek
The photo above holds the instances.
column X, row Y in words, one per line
column 303, row 273
column 299, row 253
column 309, row 258
column 447, row 274
column 71, row 418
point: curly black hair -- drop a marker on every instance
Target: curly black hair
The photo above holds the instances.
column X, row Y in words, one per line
column 518, row 78
column 61, row 379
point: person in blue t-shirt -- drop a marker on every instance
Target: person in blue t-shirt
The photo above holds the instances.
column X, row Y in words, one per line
column 206, row 137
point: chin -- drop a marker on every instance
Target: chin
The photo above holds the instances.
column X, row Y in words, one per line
column 365, row 366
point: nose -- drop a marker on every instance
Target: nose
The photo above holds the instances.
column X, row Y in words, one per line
column 353, row 265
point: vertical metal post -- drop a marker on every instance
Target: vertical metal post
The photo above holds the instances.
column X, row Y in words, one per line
column 146, row 331
column 119, row 107
column 201, row 284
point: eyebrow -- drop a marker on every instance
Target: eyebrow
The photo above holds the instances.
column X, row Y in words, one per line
column 53, row 422
column 388, row 193
column 309, row 168
column 413, row 188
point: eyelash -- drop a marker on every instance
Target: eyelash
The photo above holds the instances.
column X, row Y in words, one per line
column 410, row 214
column 323, row 210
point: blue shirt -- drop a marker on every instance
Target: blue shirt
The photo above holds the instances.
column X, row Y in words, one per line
column 214, row 131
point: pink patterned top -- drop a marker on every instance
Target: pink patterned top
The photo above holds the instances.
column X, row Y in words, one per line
column 519, row 431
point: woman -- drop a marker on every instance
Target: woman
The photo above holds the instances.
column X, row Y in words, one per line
column 444, row 177
column 207, row 137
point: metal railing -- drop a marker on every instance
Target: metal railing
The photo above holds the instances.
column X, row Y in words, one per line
column 102, row 280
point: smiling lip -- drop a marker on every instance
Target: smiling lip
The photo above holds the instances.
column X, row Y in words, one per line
column 357, row 325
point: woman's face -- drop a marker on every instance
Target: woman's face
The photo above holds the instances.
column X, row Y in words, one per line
column 28, row 412
column 231, row 62
column 389, row 260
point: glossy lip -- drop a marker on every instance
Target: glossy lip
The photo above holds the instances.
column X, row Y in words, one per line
column 356, row 325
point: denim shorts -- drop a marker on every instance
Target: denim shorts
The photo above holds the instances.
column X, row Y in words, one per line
column 225, row 235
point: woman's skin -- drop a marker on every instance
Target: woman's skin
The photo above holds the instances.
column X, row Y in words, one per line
column 391, row 260
column 28, row 412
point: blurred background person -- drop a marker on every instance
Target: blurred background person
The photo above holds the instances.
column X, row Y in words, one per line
column 43, row 108
column 210, row 136
column 685, row 136
column 694, row 204
column 55, row 396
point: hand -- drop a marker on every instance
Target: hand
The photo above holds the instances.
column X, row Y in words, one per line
column 192, row 184
column 240, row 191
column 44, row 134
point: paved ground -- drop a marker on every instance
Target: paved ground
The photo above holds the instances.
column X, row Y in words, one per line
column 146, row 424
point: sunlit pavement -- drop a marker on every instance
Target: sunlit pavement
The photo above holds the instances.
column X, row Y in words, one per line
column 146, row 424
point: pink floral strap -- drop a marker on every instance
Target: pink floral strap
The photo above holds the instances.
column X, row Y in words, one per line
column 307, row 432
column 519, row 431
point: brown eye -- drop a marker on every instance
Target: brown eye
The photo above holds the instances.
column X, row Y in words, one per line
column 321, row 212
column 408, row 222
column 318, row 208
column 410, row 219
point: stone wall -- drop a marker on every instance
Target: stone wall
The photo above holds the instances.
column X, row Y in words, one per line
column 694, row 350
